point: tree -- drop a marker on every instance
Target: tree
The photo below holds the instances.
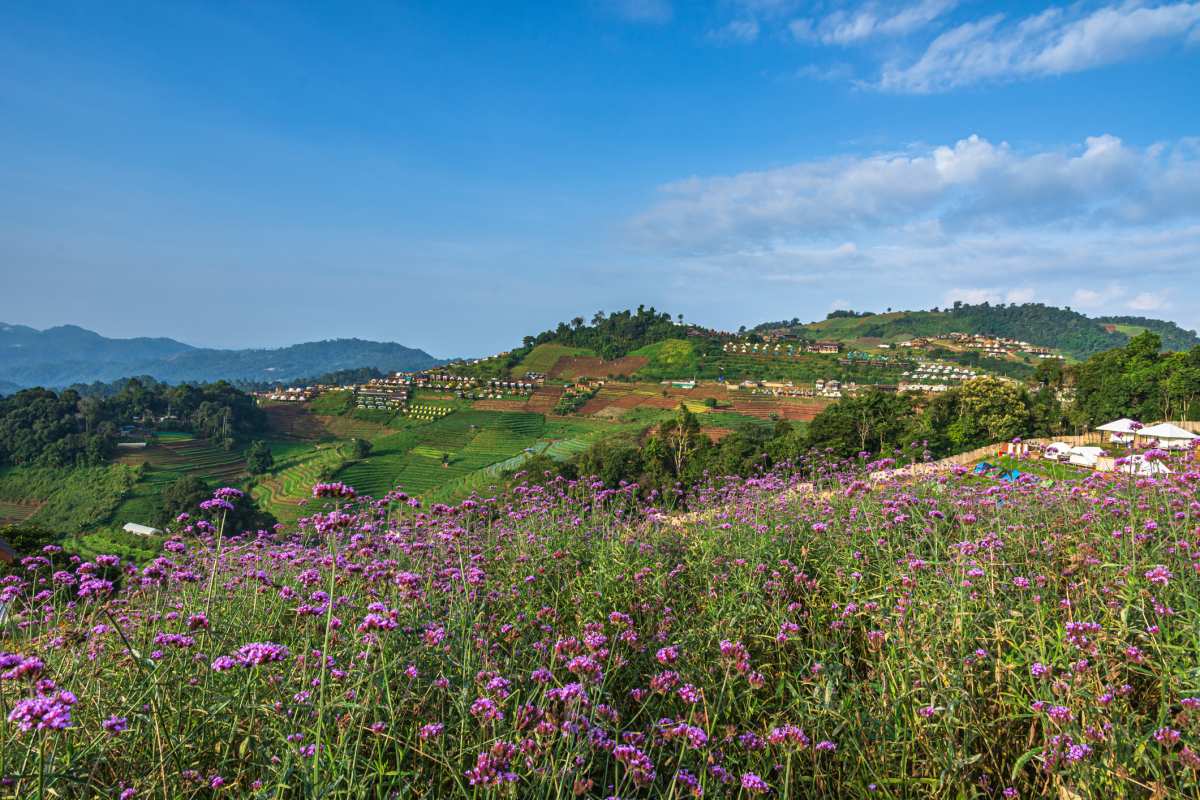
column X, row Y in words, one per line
column 185, row 495
column 361, row 448
column 259, row 458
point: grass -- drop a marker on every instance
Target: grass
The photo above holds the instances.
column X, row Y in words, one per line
column 472, row 440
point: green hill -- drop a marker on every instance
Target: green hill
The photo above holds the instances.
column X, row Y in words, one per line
column 1068, row 331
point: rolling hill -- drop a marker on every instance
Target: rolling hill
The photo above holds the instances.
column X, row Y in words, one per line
column 69, row 354
column 1069, row 331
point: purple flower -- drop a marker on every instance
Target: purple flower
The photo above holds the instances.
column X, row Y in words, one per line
column 754, row 784
column 43, row 712
column 115, row 725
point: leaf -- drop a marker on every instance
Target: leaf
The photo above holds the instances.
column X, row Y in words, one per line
column 1020, row 763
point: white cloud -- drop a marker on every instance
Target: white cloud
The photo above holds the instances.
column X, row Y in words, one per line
column 872, row 20
column 970, row 185
column 1149, row 301
column 655, row 11
column 738, row 30
column 1057, row 41
column 1076, row 225
column 1093, row 298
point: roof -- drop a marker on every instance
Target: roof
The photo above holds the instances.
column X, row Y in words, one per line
column 7, row 554
column 1165, row 430
column 142, row 530
column 1058, row 446
column 1123, row 425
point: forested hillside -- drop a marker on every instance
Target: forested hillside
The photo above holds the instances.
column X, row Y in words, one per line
column 1069, row 331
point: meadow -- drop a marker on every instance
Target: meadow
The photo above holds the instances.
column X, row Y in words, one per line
column 829, row 635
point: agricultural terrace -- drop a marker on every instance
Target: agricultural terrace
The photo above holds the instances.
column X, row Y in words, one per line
column 948, row 636
column 423, row 457
column 543, row 358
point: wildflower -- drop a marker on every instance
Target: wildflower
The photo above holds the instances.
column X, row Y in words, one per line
column 51, row 711
column 115, row 725
column 754, row 784
column 1159, row 575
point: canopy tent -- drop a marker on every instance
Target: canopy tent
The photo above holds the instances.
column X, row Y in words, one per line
column 1168, row 436
column 1122, row 430
column 1056, row 450
column 1085, row 456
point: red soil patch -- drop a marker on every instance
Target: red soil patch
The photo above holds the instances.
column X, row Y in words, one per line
column 294, row 422
column 543, row 399
column 716, row 434
column 571, row 367
column 499, row 405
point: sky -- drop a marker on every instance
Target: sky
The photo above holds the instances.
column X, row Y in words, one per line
column 454, row 175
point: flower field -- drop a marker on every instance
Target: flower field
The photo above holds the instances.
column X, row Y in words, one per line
column 825, row 636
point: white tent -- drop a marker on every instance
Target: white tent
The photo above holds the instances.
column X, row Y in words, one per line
column 140, row 530
column 1085, row 456
column 1056, row 450
column 1122, row 430
column 1141, row 466
column 1168, row 436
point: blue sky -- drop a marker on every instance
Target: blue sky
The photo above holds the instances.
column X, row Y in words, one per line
column 454, row 175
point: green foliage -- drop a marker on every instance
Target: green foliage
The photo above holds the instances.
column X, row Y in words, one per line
column 259, row 458
column 40, row 427
column 361, row 448
column 74, row 499
column 874, row 422
column 611, row 335
column 1060, row 328
column 1173, row 337
column 185, row 495
column 1138, row 381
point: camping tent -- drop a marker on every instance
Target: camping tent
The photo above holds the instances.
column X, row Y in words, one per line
column 1085, row 456
column 1136, row 465
column 1122, row 430
column 1168, row 436
column 1056, row 451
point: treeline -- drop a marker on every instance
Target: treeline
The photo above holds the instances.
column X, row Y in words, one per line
column 1173, row 337
column 612, row 335
column 1137, row 381
column 676, row 454
column 70, row 428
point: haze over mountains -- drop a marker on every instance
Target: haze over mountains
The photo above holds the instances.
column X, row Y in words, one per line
column 68, row 354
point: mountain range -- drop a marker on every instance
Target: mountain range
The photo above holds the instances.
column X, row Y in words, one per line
column 69, row 354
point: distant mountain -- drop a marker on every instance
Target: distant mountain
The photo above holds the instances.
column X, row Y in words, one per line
column 69, row 354
column 1069, row 331
column 8, row 388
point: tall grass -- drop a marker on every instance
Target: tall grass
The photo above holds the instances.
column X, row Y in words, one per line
column 950, row 637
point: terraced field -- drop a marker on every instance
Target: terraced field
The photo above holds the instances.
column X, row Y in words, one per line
column 189, row 456
column 286, row 492
column 543, row 358
column 472, row 440
column 12, row 512
column 348, row 427
column 294, row 421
